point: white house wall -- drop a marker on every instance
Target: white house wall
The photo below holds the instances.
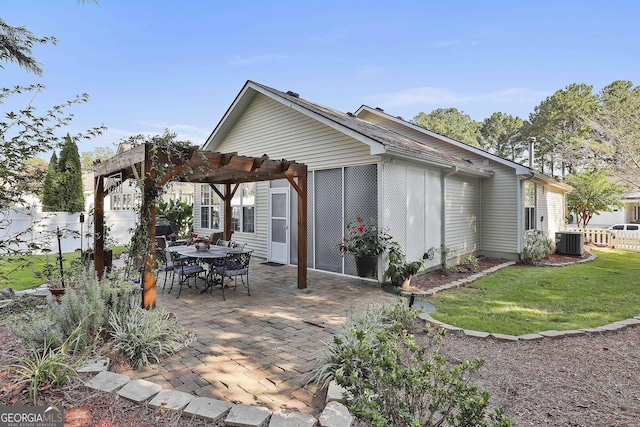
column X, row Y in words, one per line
column 550, row 211
column 411, row 208
column 463, row 214
column 269, row 127
column 500, row 212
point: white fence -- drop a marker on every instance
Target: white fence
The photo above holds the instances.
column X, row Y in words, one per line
column 610, row 239
column 40, row 228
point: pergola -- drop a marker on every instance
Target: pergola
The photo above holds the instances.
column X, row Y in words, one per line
column 197, row 166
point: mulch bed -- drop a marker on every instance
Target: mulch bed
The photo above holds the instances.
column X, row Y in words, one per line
column 435, row 278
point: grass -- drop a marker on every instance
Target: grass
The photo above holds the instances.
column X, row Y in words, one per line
column 523, row 299
column 21, row 271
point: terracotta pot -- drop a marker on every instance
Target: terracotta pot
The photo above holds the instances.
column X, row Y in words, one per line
column 406, row 284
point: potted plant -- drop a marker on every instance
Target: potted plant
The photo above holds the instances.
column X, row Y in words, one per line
column 365, row 241
column 399, row 270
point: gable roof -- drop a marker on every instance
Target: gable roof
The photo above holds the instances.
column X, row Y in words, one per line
column 519, row 168
column 380, row 140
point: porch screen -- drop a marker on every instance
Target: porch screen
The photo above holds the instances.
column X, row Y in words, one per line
column 328, row 219
column 360, row 199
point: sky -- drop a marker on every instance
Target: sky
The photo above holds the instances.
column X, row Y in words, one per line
column 151, row 65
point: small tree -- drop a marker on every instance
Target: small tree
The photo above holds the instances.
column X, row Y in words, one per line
column 593, row 193
column 50, row 187
column 70, row 177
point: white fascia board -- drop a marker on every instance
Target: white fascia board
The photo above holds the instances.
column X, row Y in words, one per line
column 520, row 169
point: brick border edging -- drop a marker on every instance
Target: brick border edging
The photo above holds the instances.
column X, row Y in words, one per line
column 614, row 326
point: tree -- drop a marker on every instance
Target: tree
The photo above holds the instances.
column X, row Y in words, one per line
column 451, row 123
column 16, row 44
column 616, row 127
column 593, row 193
column 500, row 134
column 87, row 158
column 561, row 131
column 50, row 187
column 25, row 134
column 70, row 178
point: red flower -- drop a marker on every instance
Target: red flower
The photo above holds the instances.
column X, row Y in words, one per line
column 344, row 239
column 361, row 228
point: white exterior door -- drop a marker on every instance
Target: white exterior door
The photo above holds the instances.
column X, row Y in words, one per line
column 279, row 225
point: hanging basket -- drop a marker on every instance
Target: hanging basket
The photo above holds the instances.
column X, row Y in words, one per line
column 367, row 266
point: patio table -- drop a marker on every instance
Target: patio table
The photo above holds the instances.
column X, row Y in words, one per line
column 213, row 257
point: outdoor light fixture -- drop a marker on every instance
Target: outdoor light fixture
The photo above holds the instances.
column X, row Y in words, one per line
column 81, row 233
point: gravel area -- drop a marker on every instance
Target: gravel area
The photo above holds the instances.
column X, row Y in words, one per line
column 590, row 380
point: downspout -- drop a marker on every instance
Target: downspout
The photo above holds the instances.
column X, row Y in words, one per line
column 443, row 223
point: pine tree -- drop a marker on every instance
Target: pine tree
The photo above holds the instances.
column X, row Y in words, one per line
column 50, row 188
column 70, row 178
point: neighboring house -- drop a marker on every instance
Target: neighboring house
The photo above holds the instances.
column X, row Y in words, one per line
column 126, row 196
column 428, row 190
column 629, row 213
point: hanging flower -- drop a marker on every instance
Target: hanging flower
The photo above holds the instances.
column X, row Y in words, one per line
column 365, row 238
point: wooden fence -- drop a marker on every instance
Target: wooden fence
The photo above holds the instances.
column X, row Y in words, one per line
column 611, row 239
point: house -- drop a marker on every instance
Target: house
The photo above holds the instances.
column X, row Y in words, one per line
column 428, row 190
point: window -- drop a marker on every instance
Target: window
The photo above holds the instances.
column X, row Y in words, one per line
column 529, row 206
column 243, row 210
column 209, row 208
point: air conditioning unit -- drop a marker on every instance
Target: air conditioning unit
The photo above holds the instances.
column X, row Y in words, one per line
column 569, row 243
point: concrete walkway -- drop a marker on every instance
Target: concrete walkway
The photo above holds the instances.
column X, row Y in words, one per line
column 258, row 349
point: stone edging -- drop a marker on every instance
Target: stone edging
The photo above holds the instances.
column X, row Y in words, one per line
column 527, row 337
column 335, row 414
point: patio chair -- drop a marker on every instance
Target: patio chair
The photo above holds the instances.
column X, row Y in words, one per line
column 187, row 269
column 165, row 266
column 238, row 246
column 236, row 264
column 224, row 243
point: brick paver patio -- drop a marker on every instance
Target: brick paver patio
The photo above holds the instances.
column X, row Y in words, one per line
column 259, row 349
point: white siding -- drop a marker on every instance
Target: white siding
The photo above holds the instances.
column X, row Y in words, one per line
column 551, row 207
column 500, row 226
column 463, row 214
column 412, row 208
column 269, row 127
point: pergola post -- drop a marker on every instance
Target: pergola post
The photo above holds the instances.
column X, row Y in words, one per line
column 301, row 190
column 227, row 211
column 98, row 227
column 149, row 218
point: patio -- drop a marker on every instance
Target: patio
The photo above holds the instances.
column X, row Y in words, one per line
column 259, row 349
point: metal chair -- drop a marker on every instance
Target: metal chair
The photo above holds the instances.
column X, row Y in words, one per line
column 187, row 269
column 165, row 265
column 223, row 243
column 236, row 264
column 237, row 246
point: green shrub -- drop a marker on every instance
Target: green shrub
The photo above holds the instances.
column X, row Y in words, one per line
column 468, row 262
column 145, row 335
column 49, row 365
column 392, row 380
column 536, row 246
column 36, row 329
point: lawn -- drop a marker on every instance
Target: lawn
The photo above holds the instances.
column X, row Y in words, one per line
column 21, row 272
column 522, row 299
